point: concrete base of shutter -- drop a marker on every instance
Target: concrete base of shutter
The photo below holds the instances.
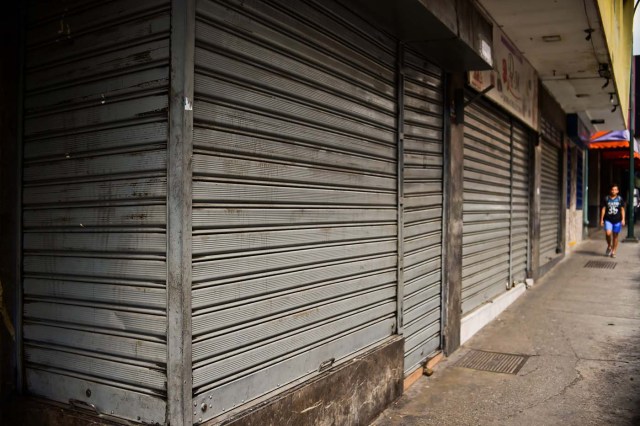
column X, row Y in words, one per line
column 353, row 393
column 32, row 411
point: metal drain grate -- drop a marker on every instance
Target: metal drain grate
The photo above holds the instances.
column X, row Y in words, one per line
column 493, row 361
column 600, row 264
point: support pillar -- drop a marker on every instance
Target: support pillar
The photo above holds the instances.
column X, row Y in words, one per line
column 454, row 182
column 535, row 180
column 179, row 205
column 562, row 234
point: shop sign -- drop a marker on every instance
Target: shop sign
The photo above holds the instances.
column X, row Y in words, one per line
column 514, row 80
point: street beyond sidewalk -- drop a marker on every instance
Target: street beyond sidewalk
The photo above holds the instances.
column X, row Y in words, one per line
column 580, row 328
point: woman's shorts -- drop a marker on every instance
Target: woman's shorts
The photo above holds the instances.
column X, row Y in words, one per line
column 615, row 227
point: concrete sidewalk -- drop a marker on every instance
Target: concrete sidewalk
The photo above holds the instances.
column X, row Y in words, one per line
column 580, row 328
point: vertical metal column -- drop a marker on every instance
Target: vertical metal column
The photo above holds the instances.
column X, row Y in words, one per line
column 630, row 226
column 632, row 106
column 530, row 154
column 511, row 152
column 585, row 190
column 400, row 183
column 562, row 220
column 446, row 116
column 535, row 181
column 179, row 206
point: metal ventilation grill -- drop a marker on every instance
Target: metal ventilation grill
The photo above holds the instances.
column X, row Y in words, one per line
column 493, row 362
column 600, row 264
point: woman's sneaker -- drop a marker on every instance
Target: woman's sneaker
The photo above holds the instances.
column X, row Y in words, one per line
column 613, row 254
column 608, row 252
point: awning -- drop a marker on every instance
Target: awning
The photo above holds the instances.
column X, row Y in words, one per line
column 607, row 139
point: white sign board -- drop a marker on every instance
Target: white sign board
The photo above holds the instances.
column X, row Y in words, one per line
column 514, row 80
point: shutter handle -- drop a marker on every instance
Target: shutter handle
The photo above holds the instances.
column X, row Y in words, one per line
column 76, row 403
column 326, row 364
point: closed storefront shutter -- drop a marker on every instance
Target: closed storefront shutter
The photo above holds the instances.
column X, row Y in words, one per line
column 496, row 204
column 550, row 192
column 423, row 162
column 487, row 204
column 94, row 205
column 294, row 195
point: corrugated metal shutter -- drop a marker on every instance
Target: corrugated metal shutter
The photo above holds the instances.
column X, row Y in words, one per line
column 94, row 205
column 550, row 193
column 495, row 239
column 294, row 210
column 423, row 150
column 487, row 203
column 520, row 245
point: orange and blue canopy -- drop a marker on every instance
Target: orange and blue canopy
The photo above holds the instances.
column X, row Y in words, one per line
column 614, row 143
column 606, row 139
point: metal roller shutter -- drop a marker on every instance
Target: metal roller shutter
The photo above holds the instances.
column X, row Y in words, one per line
column 550, row 191
column 486, row 211
column 550, row 199
column 422, row 235
column 94, row 205
column 495, row 250
column 294, row 209
column 520, row 243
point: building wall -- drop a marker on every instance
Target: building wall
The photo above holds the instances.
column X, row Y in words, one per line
column 574, row 218
column 9, row 71
column 574, row 229
column 617, row 22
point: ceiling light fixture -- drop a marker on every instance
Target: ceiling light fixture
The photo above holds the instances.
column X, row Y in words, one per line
column 589, row 31
column 605, row 72
column 611, row 97
column 597, row 121
column 551, row 38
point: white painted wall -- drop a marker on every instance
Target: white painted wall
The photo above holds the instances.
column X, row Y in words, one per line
column 574, row 229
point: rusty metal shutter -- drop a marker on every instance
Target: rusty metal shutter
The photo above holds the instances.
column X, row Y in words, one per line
column 294, row 209
column 521, row 191
column 495, row 212
column 94, row 205
column 550, row 200
column 423, row 150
